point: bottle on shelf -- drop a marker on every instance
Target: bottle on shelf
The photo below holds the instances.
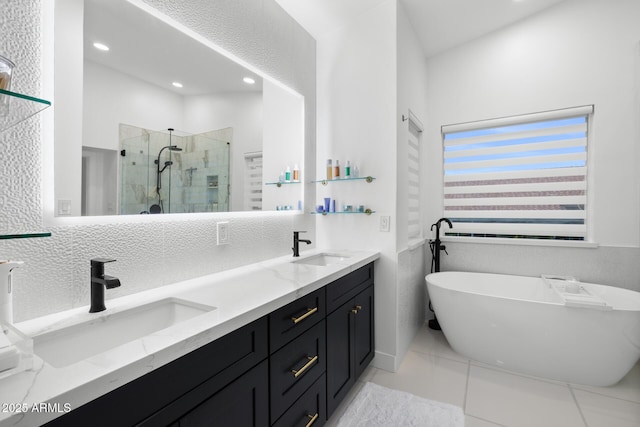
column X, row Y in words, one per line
column 296, row 173
column 336, row 170
column 329, row 170
column 287, row 174
column 347, row 170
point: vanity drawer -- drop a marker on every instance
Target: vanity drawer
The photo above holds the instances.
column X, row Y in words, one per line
column 309, row 410
column 295, row 367
column 293, row 319
column 347, row 287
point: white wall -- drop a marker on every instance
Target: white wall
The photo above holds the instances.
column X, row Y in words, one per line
column 575, row 53
column 241, row 111
column 150, row 253
column 356, row 121
column 112, row 98
column 412, row 95
column 68, row 90
column 283, row 133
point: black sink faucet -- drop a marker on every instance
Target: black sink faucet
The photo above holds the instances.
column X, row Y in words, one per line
column 296, row 242
column 100, row 281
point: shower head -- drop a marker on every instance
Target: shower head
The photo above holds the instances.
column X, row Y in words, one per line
column 171, row 148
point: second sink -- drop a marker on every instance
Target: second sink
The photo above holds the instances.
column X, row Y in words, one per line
column 322, row 259
column 71, row 344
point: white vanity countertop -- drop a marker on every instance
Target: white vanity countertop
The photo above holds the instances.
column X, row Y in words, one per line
column 241, row 296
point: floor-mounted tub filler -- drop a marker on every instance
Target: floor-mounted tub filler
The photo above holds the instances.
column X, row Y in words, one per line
column 551, row 327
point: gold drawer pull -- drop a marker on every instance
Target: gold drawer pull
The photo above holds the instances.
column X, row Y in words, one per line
column 312, row 419
column 309, row 312
column 312, row 360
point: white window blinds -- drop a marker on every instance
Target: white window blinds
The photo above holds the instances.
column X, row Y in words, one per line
column 253, row 181
column 414, row 229
column 518, row 177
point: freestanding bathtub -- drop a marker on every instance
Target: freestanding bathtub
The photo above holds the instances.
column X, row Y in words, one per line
column 525, row 324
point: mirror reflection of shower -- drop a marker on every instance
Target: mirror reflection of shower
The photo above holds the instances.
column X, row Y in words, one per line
column 174, row 172
column 159, row 207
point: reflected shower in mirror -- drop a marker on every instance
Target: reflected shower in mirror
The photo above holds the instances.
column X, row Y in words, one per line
column 129, row 78
column 165, row 172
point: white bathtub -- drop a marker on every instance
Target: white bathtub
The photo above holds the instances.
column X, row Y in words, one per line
column 522, row 324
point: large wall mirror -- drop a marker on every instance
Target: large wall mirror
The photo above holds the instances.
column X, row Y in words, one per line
column 149, row 119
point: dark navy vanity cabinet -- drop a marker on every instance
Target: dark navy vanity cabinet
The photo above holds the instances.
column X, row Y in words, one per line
column 289, row 368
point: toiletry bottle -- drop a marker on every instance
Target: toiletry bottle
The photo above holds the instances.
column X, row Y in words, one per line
column 281, row 177
column 287, row 174
column 296, row 173
column 6, row 291
column 356, row 171
column 336, row 170
column 329, row 170
column 347, row 170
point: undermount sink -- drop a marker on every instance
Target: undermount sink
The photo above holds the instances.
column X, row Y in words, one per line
column 322, row 259
column 71, row 344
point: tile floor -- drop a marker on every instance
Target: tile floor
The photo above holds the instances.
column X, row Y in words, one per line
column 493, row 397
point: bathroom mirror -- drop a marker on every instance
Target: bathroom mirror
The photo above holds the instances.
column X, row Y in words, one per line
column 115, row 101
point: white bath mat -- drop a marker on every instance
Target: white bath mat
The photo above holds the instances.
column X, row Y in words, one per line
column 377, row 406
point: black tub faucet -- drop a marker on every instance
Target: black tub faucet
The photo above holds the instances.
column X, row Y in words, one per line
column 296, row 242
column 100, row 281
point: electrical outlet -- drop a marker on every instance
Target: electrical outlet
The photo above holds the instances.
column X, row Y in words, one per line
column 223, row 232
column 385, row 223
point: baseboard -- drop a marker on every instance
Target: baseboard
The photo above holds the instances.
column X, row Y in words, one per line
column 384, row 361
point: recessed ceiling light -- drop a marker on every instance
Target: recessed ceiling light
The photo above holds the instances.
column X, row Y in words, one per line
column 101, row 46
column 177, row 84
column 248, row 80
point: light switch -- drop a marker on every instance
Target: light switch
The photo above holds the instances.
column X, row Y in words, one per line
column 64, row 207
column 385, row 223
column 223, row 232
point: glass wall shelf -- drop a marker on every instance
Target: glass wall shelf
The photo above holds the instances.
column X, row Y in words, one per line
column 326, row 181
column 16, row 107
column 23, row 235
column 280, row 184
column 366, row 212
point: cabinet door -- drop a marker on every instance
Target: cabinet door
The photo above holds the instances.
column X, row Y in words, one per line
column 244, row 402
column 350, row 346
column 340, row 354
column 364, row 334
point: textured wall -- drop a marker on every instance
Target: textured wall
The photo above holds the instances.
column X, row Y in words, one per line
column 149, row 254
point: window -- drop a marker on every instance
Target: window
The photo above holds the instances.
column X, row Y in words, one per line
column 521, row 177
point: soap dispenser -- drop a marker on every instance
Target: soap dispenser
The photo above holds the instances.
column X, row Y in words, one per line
column 6, row 292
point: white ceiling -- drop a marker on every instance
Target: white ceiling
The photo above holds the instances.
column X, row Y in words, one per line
column 144, row 47
column 439, row 24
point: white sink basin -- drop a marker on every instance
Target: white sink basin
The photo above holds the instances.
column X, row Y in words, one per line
column 71, row 344
column 322, row 259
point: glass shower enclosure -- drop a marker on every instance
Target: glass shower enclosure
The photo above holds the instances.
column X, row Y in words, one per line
column 172, row 172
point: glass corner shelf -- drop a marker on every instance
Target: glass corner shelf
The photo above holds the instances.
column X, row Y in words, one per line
column 368, row 179
column 281, row 183
column 365, row 212
column 24, row 235
column 16, row 107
